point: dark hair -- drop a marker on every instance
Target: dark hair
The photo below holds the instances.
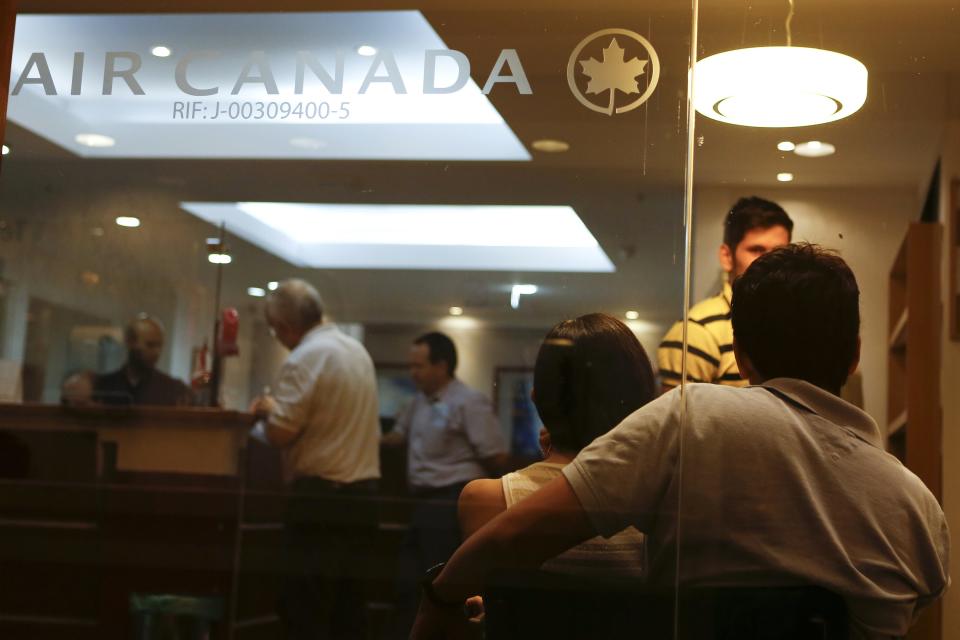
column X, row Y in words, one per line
column 796, row 314
column 753, row 213
column 440, row 347
column 591, row 373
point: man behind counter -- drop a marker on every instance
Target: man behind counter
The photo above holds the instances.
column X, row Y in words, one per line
column 138, row 381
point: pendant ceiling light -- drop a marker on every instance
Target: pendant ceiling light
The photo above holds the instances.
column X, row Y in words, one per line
column 779, row 86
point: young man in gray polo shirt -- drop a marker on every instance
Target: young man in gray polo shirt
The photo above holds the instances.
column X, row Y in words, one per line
column 783, row 483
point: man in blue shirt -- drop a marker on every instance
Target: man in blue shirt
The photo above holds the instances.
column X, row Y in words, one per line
column 452, row 437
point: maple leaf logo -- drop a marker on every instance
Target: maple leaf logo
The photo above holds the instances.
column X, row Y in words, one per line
column 614, row 73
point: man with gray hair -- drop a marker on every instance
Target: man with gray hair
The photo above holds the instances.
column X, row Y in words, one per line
column 324, row 415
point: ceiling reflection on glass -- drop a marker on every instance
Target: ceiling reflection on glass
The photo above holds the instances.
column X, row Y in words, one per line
column 522, row 135
column 372, row 236
column 336, row 85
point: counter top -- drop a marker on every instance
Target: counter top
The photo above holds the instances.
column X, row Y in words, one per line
column 52, row 415
column 191, row 440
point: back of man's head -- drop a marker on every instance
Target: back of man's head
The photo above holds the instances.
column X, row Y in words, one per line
column 753, row 213
column 441, row 348
column 296, row 304
column 796, row 314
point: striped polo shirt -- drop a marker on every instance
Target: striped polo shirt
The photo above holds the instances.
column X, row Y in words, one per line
column 709, row 345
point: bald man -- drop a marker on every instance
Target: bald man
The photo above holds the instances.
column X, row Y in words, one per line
column 138, row 382
column 324, row 415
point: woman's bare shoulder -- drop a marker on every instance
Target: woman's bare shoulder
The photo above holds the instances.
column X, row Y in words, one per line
column 483, row 490
column 480, row 501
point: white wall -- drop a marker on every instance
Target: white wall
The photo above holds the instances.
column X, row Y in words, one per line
column 192, row 325
column 866, row 225
column 57, row 247
column 480, row 349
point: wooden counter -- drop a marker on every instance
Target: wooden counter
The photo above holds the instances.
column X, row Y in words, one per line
column 185, row 440
column 98, row 503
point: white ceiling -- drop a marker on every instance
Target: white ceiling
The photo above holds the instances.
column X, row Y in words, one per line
column 623, row 175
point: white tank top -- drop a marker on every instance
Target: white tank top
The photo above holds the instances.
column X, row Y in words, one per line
column 622, row 556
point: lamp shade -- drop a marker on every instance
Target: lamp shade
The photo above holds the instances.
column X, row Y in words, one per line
column 779, row 86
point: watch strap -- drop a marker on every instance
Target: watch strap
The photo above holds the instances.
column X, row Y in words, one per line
column 426, row 584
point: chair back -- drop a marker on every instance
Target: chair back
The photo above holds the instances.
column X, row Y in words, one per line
column 521, row 605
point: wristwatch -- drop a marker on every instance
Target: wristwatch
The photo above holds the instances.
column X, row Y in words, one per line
column 426, row 583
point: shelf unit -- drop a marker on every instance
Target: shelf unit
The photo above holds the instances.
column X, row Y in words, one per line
column 913, row 382
column 914, row 418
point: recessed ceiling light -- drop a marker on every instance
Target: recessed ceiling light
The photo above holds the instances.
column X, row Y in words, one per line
column 128, row 221
column 779, row 86
column 815, row 149
column 550, row 146
column 785, row 177
column 220, row 258
column 256, row 292
column 521, row 290
column 307, row 143
column 161, row 51
column 94, row 140
column 456, row 311
column 632, row 315
column 367, row 50
column 273, row 285
column 5, row 150
column 786, row 145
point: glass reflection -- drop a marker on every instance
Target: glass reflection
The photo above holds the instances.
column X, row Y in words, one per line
column 429, row 171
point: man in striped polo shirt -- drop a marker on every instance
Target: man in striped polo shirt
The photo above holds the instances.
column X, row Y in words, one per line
column 751, row 228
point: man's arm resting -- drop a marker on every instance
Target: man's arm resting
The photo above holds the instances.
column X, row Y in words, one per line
column 540, row 527
column 276, row 435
